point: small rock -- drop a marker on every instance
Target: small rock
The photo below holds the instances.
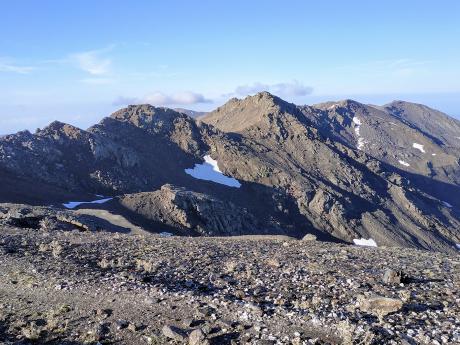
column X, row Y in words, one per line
column 379, row 306
column 100, row 331
column 133, row 327
column 309, row 237
column 173, row 332
column 187, row 322
column 206, row 329
column 103, row 313
column 197, row 337
column 32, row 332
column 122, row 324
column 391, row 277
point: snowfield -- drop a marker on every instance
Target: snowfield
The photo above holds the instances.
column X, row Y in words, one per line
column 404, row 163
column 73, row 204
column 209, row 170
column 363, row 242
column 418, row 147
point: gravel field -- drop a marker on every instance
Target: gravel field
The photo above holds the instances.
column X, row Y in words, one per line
column 76, row 287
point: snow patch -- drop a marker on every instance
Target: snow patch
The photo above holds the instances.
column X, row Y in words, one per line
column 357, row 121
column 404, row 163
column 418, row 147
column 363, row 242
column 433, row 154
column 361, row 142
column 209, row 170
column 73, row 204
column 165, row 234
column 457, row 245
column 447, row 204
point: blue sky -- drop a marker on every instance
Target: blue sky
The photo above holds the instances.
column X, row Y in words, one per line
column 77, row 61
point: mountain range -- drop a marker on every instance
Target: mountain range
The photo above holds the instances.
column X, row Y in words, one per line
column 341, row 171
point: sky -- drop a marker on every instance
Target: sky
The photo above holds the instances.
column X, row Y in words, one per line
column 78, row 61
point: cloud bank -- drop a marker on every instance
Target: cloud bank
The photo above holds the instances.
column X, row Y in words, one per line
column 162, row 99
column 292, row 89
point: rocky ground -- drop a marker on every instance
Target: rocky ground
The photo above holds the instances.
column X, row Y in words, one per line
column 87, row 287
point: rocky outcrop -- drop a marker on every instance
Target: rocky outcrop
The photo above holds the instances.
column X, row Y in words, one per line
column 46, row 219
column 195, row 213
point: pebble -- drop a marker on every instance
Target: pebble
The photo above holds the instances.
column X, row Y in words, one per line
column 173, row 332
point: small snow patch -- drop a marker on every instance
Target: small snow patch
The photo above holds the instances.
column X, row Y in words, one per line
column 357, row 121
column 457, row 245
column 447, row 204
column 361, row 141
column 73, row 204
column 433, row 154
column 165, row 234
column 418, row 147
column 209, row 170
column 404, row 163
column 363, row 242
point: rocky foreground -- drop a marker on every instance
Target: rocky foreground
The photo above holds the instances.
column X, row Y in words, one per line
column 80, row 287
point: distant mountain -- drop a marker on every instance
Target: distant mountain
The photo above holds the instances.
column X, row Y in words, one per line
column 192, row 113
column 332, row 169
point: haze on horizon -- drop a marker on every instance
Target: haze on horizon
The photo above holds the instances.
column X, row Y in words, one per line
column 79, row 61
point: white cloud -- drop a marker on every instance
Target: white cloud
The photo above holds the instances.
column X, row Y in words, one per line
column 290, row 89
column 6, row 65
column 160, row 98
column 93, row 61
column 121, row 100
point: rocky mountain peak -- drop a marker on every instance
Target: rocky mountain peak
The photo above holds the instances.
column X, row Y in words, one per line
column 266, row 99
column 342, row 106
column 239, row 114
column 57, row 129
column 144, row 113
column 152, row 119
